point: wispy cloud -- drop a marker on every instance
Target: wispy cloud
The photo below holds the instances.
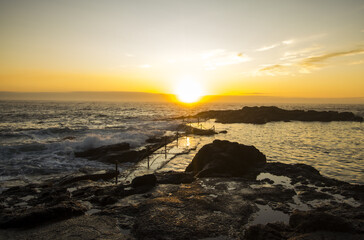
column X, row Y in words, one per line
column 303, row 62
column 269, row 47
column 220, row 57
column 265, row 48
column 287, row 42
column 274, row 70
column 301, row 53
column 316, row 60
column 129, row 55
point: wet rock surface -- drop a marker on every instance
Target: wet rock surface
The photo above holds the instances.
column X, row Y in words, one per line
column 40, row 215
column 277, row 201
column 121, row 152
column 104, row 151
column 265, row 114
column 94, row 177
column 83, row 227
column 196, row 131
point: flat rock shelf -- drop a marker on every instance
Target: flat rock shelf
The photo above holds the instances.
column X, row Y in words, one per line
column 266, row 201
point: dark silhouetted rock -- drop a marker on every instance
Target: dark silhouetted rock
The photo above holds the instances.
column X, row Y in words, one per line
column 94, row 177
column 224, row 158
column 120, row 152
column 223, row 131
column 145, row 180
column 161, row 139
column 197, row 131
column 174, row 177
column 40, row 215
column 105, row 200
column 54, row 196
column 96, row 153
column 271, row 231
column 314, row 221
column 264, row 114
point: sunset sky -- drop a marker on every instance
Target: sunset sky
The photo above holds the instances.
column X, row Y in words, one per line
column 287, row 48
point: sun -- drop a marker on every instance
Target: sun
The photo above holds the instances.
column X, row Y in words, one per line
column 188, row 91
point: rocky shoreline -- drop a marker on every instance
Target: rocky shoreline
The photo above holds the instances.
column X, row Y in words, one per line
column 264, row 114
column 210, row 201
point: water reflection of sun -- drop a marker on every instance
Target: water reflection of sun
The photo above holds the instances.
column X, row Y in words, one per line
column 189, row 91
column 188, row 141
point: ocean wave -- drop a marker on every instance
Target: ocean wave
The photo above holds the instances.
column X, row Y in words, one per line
column 52, row 150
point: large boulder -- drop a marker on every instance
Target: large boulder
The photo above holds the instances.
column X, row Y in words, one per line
column 145, row 180
column 224, row 158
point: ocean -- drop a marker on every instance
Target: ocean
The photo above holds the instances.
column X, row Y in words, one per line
column 39, row 138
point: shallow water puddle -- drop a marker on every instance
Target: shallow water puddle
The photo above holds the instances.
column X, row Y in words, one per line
column 93, row 211
column 298, row 204
column 27, row 198
column 350, row 201
column 266, row 215
column 282, row 180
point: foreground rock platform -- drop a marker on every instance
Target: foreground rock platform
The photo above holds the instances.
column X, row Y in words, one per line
column 264, row 114
column 279, row 201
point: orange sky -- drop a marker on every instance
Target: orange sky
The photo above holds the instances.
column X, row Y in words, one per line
column 284, row 48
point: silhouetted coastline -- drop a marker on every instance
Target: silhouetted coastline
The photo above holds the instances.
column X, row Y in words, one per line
column 264, row 114
column 224, row 203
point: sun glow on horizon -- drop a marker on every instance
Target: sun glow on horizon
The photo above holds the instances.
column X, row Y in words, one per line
column 189, row 90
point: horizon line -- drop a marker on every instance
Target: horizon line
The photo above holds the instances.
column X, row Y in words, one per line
column 162, row 97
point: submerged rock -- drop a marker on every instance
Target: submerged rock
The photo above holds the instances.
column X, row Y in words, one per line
column 224, row 158
column 264, row 114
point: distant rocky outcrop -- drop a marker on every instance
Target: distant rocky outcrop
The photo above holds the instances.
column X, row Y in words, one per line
column 265, row 114
column 196, row 131
column 224, row 158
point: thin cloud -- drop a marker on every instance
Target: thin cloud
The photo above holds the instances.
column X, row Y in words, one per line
column 274, row 70
column 220, row 57
column 287, row 42
column 294, row 64
column 317, row 60
column 301, row 53
column 272, row 67
column 265, row 48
